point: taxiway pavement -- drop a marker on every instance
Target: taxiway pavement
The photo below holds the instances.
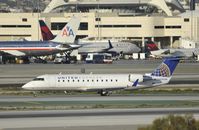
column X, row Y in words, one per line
column 97, row 98
column 186, row 73
column 104, row 118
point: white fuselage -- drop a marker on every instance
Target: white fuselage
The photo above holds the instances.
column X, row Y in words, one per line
column 102, row 47
column 183, row 52
column 83, row 82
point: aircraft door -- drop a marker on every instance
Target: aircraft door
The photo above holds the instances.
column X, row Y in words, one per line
column 51, row 81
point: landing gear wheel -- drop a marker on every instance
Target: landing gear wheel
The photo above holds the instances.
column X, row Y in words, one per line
column 105, row 93
column 34, row 94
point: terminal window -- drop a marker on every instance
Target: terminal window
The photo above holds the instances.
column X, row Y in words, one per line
column 158, row 27
column 173, row 27
column 57, row 26
column 97, row 19
column 119, row 26
column 186, row 20
column 24, row 19
column 15, row 26
column 60, row 25
column 83, row 26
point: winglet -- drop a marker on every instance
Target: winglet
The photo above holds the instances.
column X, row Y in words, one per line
column 135, row 83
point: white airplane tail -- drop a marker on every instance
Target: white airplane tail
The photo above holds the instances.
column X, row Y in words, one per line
column 69, row 32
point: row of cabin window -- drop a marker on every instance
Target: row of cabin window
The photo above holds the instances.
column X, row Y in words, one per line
column 89, row 80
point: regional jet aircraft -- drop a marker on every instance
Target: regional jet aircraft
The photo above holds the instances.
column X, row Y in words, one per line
column 63, row 42
column 179, row 52
column 104, row 83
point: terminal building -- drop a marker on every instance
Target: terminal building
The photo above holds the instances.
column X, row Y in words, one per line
column 162, row 21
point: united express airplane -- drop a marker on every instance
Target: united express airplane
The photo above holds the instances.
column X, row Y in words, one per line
column 63, row 42
column 104, row 83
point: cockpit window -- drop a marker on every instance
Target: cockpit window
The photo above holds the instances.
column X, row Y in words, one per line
column 38, row 79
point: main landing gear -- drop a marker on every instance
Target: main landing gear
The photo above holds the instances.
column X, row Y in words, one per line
column 105, row 93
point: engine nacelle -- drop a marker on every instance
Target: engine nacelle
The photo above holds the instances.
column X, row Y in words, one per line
column 134, row 77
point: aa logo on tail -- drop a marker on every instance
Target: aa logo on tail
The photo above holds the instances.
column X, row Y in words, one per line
column 67, row 31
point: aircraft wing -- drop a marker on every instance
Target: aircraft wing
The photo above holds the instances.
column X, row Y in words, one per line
column 179, row 54
column 97, row 50
column 14, row 52
column 67, row 47
column 107, row 89
column 159, row 52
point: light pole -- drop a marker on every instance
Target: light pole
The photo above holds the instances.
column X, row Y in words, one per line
column 98, row 19
column 76, row 6
column 192, row 8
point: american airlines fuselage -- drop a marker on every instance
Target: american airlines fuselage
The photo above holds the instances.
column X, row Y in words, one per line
column 33, row 48
column 63, row 42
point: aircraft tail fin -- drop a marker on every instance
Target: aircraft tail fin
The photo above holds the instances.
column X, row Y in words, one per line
column 151, row 46
column 45, row 31
column 166, row 68
column 110, row 44
column 162, row 74
column 69, row 32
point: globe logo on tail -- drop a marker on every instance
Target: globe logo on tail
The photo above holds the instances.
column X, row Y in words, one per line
column 163, row 71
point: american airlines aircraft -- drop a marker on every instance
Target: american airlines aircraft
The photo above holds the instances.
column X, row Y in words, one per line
column 64, row 41
column 95, row 46
column 104, row 83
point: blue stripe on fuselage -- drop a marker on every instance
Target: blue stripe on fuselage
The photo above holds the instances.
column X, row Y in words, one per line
column 28, row 44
